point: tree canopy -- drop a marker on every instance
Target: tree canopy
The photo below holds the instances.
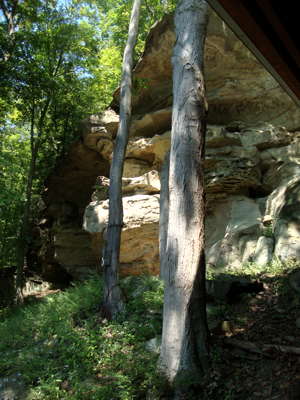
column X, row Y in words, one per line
column 60, row 60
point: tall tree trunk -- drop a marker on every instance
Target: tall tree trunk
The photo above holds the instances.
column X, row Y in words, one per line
column 164, row 214
column 22, row 242
column 112, row 295
column 185, row 354
column 23, row 239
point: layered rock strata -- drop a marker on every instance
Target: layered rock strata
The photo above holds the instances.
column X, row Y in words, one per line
column 238, row 87
column 251, row 170
column 248, row 219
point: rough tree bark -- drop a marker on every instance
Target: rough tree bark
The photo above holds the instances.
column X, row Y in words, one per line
column 185, row 354
column 112, row 296
column 164, row 213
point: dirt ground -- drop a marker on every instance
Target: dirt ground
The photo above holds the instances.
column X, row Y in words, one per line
column 243, row 366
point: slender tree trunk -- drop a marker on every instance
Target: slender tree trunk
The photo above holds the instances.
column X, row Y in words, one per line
column 112, row 295
column 22, row 242
column 164, row 214
column 185, row 354
column 23, row 239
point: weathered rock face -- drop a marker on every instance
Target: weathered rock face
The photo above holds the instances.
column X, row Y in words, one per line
column 238, row 87
column 65, row 250
column 252, row 167
column 287, row 222
column 139, row 235
column 242, row 205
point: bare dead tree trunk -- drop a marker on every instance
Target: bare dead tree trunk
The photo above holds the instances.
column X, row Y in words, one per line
column 112, row 295
column 185, row 353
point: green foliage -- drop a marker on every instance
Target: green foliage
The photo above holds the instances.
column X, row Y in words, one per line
column 60, row 62
column 115, row 14
column 46, row 88
column 63, row 349
column 14, row 152
column 107, row 74
column 276, row 267
column 268, row 230
column 275, row 271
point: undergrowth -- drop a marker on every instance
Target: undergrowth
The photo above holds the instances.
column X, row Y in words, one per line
column 61, row 348
column 276, row 270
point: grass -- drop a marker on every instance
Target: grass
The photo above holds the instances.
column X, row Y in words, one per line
column 61, row 348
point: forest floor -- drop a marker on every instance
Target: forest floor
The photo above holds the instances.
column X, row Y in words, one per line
column 58, row 346
column 244, row 365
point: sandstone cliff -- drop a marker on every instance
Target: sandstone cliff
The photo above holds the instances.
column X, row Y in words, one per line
column 252, row 167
